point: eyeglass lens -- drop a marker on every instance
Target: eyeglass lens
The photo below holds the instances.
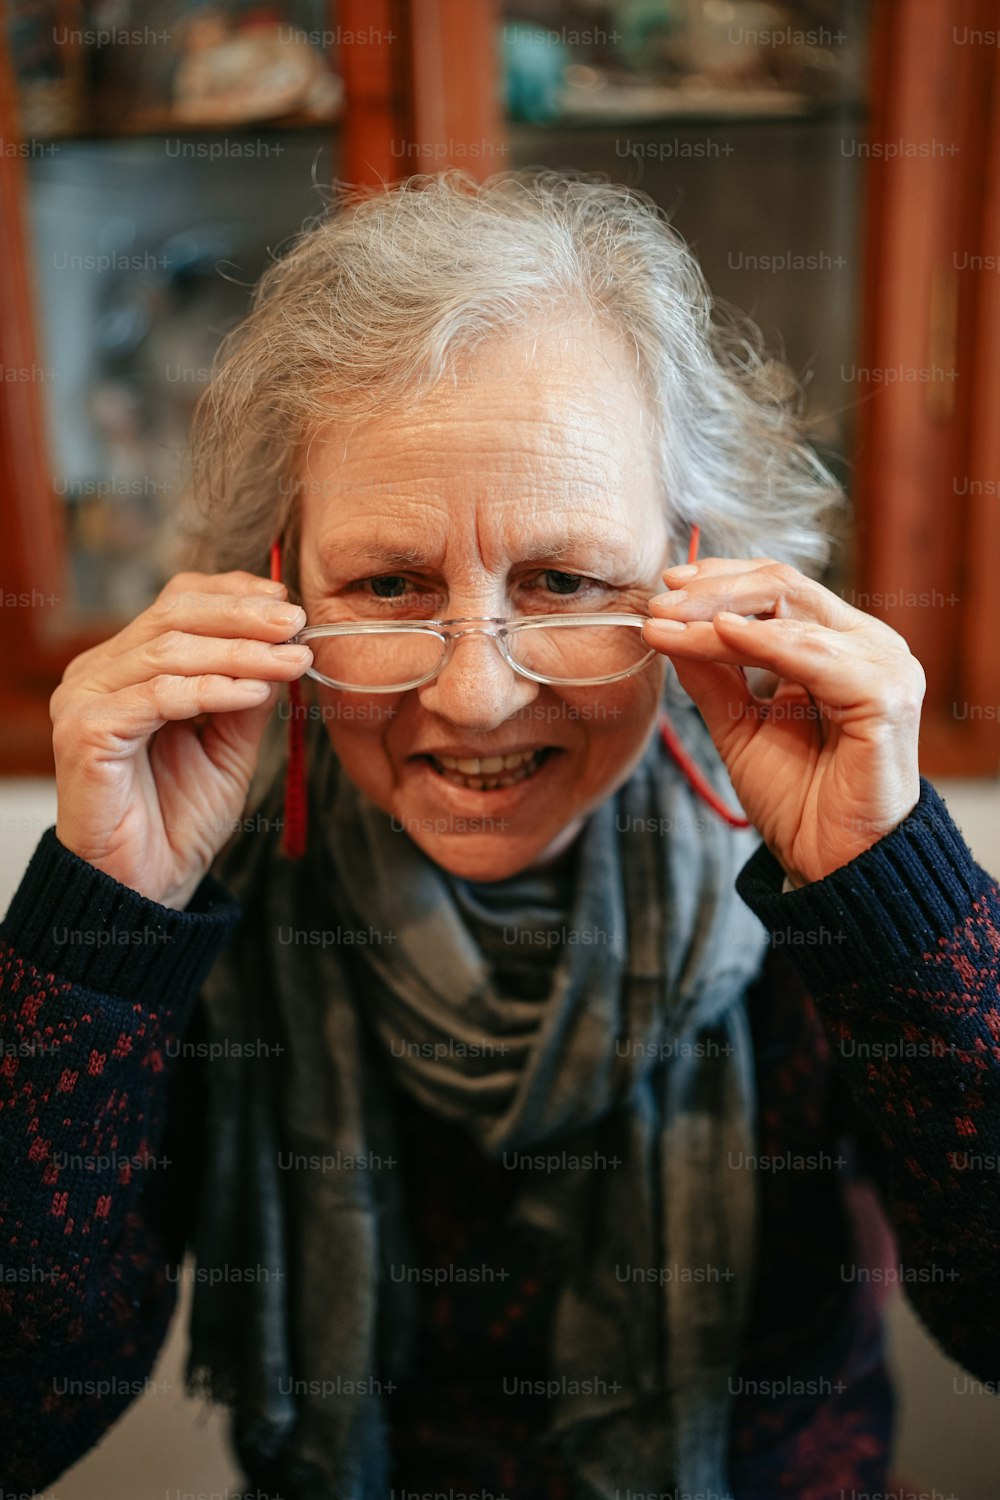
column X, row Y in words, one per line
column 559, row 653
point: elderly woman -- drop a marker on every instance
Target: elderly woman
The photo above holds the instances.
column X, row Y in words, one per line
column 523, row 1130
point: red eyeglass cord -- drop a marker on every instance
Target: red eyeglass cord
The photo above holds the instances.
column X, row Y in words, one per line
column 293, row 839
column 293, row 835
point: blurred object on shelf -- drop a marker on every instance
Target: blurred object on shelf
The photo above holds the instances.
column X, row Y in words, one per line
column 632, row 60
column 588, row 98
column 121, row 67
column 256, row 69
column 47, row 57
column 131, row 59
column 649, row 33
column 726, row 42
column 534, row 70
column 755, row 44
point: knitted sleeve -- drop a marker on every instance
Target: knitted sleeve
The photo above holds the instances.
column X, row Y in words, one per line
column 900, row 950
column 97, row 986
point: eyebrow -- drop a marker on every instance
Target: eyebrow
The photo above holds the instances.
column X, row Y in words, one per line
column 396, row 557
column 556, row 548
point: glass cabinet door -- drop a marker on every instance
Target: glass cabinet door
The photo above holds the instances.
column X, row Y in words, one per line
column 145, row 251
column 743, row 121
column 170, row 150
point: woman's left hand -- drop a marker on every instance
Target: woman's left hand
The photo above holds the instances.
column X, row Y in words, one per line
column 828, row 765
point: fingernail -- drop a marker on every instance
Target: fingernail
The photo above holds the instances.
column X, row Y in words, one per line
column 291, row 653
column 290, row 614
column 657, row 624
column 683, row 570
column 728, row 617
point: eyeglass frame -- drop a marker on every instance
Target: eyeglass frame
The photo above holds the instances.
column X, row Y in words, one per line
column 502, row 627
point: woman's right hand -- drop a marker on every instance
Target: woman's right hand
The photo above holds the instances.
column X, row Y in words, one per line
column 148, row 791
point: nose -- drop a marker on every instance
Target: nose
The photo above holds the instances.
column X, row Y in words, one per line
column 476, row 689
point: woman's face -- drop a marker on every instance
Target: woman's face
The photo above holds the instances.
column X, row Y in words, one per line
column 529, row 486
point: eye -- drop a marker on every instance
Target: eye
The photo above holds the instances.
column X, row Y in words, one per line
column 392, row 594
column 388, row 586
column 562, row 583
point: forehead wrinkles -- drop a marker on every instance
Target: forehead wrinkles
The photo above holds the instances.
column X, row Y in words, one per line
column 550, row 418
column 458, row 481
column 490, row 474
column 509, row 527
column 491, row 525
column 501, row 509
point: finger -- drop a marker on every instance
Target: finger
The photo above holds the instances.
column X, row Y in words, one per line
column 842, row 672
column 236, row 581
column 119, row 722
column 230, row 740
column 723, row 699
column 722, row 640
column 255, row 616
column 717, row 565
column 695, row 641
column 774, row 589
column 183, row 655
column 204, row 615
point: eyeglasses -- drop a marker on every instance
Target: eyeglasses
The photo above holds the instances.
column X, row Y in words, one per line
column 572, row 650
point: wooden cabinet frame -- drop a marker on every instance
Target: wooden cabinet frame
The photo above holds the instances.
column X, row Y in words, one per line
column 927, row 492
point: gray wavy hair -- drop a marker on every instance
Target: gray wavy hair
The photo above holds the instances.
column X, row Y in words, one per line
column 376, row 301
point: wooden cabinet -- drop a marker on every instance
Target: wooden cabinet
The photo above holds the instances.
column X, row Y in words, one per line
column 422, row 92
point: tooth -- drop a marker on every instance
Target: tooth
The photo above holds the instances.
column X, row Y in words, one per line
column 518, row 767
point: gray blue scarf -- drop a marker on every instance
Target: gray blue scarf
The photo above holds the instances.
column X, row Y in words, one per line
column 352, row 973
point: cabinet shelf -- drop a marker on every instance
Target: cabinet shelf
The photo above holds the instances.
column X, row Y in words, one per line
column 704, row 114
column 157, row 124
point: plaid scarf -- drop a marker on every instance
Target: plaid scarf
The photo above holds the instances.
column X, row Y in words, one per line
column 353, row 973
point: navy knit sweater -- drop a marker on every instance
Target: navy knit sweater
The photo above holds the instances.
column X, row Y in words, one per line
column 876, row 1020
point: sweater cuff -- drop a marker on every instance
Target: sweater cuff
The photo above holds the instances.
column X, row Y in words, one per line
column 881, row 912
column 76, row 923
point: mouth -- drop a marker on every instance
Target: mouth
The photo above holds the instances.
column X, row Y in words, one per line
column 490, row 772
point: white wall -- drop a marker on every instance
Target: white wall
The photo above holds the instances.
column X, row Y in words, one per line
column 948, row 1440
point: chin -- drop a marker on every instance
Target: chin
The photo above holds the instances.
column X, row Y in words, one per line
column 480, row 857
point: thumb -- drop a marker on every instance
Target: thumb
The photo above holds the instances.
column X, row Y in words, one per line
column 232, row 741
column 721, row 695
